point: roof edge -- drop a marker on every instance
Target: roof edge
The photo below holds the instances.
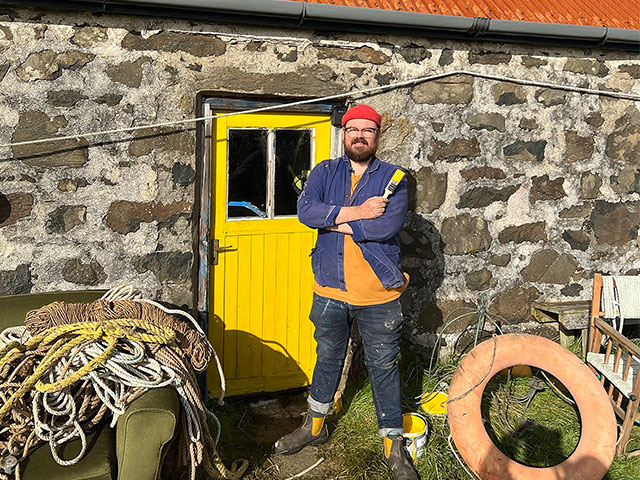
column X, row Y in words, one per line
column 356, row 19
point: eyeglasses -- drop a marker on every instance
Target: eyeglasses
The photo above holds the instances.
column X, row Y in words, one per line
column 366, row 132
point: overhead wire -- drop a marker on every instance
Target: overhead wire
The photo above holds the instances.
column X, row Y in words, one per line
column 365, row 91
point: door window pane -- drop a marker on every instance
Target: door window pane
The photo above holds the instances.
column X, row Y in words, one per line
column 247, row 164
column 292, row 165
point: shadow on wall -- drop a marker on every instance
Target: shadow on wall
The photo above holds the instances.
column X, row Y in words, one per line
column 252, row 364
column 5, row 208
column 423, row 260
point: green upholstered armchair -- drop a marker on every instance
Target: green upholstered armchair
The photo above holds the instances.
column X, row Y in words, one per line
column 131, row 451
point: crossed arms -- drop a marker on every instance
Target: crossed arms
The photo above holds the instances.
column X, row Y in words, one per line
column 377, row 219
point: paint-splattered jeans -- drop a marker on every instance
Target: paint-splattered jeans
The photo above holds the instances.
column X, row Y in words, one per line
column 379, row 327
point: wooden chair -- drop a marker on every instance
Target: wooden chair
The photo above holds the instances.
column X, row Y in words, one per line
column 617, row 366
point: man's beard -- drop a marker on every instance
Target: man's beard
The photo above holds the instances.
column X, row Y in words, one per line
column 359, row 156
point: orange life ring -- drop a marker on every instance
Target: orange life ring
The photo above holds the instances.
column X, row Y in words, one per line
column 596, row 448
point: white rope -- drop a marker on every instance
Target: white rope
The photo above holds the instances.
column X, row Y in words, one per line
column 589, row 91
column 452, row 448
column 620, row 298
column 129, row 370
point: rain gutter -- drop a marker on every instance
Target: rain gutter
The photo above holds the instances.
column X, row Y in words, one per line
column 315, row 16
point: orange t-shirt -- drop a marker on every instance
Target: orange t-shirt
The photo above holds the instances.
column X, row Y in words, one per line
column 363, row 285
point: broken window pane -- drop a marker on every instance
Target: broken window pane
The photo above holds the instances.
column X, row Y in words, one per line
column 247, row 164
column 293, row 163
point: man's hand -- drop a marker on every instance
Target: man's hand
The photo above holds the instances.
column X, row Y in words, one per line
column 373, row 207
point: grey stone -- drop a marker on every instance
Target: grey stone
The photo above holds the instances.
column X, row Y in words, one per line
column 396, row 132
column 431, row 189
column 4, row 68
column 486, row 121
column 533, row 62
column 64, row 98
column 92, row 273
column 125, row 217
column 514, row 304
column 572, row 290
column 624, row 143
column 526, row 151
column 446, row 57
column 480, row 197
column 627, row 181
column 255, row 46
column 544, row 189
column 457, row 149
column 585, row 65
column 109, row 99
column 550, row 97
column 15, row 282
column 33, row 125
column 548, row 266
column 594, row 119
column 480, row 280
column 48, row 65
column 506, row 94
column 89, row 36
column 437, row 127
column 383, row 79
column 632, row 69
column 128, row 73
column 319, row 79
column 5, row 33
column 450, row 90
column 577, row 211
column 65, row 217
column 489, row 58
column 361, row 54
column 198, row 45
column 529, row 124
column 166, row 266
column 615, row 223
column 70, row 184
column 286, row 54
column 589, row 185
column 465, row 234
column 474, row 173
column 528, row 232
column 417, row 244
column 183, row 174
column 577, row 239
column 169, row 139
column 413, row 53
column 578, row 148
column 14, row 207
column 500, row 260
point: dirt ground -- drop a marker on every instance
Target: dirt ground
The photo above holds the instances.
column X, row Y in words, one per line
column 251, row 426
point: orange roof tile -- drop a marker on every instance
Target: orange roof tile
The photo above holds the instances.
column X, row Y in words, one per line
column 597, row 13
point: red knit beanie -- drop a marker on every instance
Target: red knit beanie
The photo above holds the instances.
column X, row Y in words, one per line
column 364, row 112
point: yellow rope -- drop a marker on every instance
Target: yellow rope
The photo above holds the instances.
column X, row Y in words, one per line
column 65, row 338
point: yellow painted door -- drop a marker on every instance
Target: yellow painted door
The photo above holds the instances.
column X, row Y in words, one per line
column 262, row 283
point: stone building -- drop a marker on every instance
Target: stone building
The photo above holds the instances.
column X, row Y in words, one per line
column 524, row 165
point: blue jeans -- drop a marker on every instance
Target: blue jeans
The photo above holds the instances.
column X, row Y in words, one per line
column 380, row 327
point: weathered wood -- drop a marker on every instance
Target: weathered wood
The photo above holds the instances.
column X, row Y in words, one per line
column 571, row 315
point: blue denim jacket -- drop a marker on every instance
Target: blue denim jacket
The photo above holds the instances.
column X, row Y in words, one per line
column 327, row 189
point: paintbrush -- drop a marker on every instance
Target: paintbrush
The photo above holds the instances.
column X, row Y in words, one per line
column 393, row 183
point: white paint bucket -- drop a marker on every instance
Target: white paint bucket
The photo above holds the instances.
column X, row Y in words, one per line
column 415, row 428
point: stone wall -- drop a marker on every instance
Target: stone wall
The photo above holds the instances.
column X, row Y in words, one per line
column 518, row 191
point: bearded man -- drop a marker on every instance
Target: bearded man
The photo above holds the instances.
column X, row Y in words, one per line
column 356, row 266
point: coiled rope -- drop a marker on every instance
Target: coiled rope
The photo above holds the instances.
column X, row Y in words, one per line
column 75, row 363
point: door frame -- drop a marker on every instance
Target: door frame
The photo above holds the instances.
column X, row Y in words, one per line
column 206, row 103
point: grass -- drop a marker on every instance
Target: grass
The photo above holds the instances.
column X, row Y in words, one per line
column 354, row 451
